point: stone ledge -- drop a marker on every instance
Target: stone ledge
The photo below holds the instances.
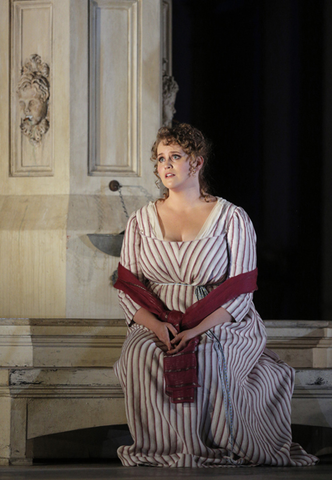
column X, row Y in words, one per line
column 313, row 378
column 63, row 322
column 39, row 402
column 59, row 342
column 311, row 402
column 44, row 401
column 59, row 383
column 301, row 343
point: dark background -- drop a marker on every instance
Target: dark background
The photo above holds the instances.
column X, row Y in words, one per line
column 250, row 74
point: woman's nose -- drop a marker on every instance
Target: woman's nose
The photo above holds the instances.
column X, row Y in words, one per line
column 168, row 163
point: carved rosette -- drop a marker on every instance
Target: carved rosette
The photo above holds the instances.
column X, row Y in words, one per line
column 33, row 91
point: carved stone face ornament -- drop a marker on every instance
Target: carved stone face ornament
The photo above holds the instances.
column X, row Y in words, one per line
column 33, row 91
column 33, row 106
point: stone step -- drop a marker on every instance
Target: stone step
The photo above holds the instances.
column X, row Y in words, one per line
column 97, row 342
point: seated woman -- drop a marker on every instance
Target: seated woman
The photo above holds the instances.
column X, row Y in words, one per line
column 201, row 389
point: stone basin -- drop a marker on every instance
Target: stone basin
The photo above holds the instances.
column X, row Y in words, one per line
column 109, row 243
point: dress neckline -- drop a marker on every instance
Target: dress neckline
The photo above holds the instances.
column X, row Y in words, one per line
column 155, row 223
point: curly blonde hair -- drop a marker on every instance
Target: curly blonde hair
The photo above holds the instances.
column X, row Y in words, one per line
column 193, row 143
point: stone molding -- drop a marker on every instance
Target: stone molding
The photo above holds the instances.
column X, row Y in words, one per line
column 115, row 85
column 60, row 383
column 301, row 343
column 60, row 342
column 36, row 402
column 32, row 152
column 83, row 342
column 169, row 85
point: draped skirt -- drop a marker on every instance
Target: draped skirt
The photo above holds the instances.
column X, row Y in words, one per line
column 241, row 414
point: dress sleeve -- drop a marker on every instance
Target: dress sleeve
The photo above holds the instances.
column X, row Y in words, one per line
column 129, row 258
column 241, row 239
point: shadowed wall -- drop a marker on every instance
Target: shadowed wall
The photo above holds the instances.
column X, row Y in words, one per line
column 251, row 76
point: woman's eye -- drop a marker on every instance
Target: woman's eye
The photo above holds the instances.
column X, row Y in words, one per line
column 161, row 159
column 176, row 157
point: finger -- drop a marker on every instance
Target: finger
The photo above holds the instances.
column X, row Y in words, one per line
column 176, row 339
column 172, row 329
column 167, row 342
column 179, row 336
column 177, row 349
column 174, row 350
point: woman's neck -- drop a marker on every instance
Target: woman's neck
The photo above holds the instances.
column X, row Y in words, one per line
column 186, row 199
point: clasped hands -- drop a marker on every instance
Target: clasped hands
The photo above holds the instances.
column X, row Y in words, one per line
column 165, row 330
column 179, row 341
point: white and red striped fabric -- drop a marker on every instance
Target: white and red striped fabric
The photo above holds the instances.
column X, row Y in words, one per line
column 242, row 410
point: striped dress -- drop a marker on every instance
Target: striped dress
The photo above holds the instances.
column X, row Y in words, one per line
column 241, row 414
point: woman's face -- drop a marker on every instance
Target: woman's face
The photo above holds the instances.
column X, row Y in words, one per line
column 174, row 167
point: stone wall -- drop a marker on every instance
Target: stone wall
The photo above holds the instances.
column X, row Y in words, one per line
column 104, row 78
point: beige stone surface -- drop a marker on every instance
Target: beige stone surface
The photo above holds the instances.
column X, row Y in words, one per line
column 32, row 255
column 80, row 382
column 62, row 399
column 59, row 104
column 55, row 293
column 312, row 410
column 85, row 342
column 4, row 97
column 82, row 393
column 301, row 343
column 5, row 415
column 88, row 270
column 47, row 416
column 135, row 73
column 60, row 342
column 312, row 398
column 18, row 428
column 49, row 267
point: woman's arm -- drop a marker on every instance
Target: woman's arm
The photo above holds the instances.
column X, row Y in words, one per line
column 215, row 318
column 130, row 254
column 161, row 329
column 130, row 259
column 241, row 244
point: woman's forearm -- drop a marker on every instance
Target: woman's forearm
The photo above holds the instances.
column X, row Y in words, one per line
column 215, row 318
column 146, row 318
column 161, row 329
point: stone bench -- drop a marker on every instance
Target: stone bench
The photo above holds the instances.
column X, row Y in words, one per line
column 57, row 375
column 42, row 401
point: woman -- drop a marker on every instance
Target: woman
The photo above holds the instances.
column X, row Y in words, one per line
column 200, row 387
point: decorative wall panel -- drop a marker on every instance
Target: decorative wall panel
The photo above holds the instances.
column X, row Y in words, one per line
column 31, row 38
column 167, row 37
column 114, row 90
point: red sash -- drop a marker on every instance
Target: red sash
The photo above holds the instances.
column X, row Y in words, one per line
column 180, row 369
